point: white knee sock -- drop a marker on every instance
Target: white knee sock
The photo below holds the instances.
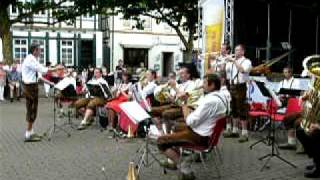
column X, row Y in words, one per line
column 1, row 92
column 292, row 140
column 228, row 128
column 244, row 132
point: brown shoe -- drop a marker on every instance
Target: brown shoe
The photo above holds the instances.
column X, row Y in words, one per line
column 287, row 146
column 33, row 138
column 81, row 127
column 189, row 176
column 230, row 135
column 243, row 139
column 167, row 165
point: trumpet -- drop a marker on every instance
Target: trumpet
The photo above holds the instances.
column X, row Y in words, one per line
column 231, row 58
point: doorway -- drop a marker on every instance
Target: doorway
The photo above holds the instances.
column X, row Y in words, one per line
column 167, row 63
column 86, row 54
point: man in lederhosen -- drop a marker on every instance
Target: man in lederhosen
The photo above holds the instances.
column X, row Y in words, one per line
column 237, row 70
column 30, row 70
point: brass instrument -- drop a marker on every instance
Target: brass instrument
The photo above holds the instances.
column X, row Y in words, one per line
column 311, row 106
column 265, row 67
column 162, row 93
column 193, row 97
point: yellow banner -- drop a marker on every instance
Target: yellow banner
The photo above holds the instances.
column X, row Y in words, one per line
column 213, row 27
column 213, row 41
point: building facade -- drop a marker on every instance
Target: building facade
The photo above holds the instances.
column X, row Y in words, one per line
column 76, row 45
column 99, row 41
column 156, row 47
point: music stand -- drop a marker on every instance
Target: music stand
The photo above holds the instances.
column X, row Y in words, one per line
column 67, row 92
column 139, row 115
column 291, row 92
column 270, row 138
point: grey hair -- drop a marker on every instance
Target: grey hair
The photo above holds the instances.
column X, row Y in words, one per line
column 34, row 46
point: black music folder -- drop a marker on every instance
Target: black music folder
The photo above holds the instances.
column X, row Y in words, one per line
column 99, row 90
column 291, row 92
column 69, row 91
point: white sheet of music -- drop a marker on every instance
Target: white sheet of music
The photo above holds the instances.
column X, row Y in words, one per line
column 61, row 85
column 134, row 111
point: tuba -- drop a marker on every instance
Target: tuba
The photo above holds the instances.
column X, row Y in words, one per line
column 311, row 107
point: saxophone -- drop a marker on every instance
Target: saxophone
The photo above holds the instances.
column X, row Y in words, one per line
column 311, row 107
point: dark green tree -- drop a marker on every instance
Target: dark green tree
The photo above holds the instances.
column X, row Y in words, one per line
column 62, row 10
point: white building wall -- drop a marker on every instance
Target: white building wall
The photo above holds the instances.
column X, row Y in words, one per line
column 53, row 53
column 157, row 44
column 99, row 49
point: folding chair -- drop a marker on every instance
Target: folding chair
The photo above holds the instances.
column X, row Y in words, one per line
column 211, row 147
column 292, row 107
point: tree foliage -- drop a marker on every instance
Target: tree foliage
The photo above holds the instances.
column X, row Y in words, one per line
column 181, row 15
column 59, row 10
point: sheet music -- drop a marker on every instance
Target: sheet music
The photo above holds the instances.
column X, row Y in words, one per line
column 61, row 85
column 134, row 111
column 137, row 92
column 275, row 97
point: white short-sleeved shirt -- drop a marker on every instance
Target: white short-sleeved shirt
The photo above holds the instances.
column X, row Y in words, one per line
column 187, row 86
column 291, row 83
column 30, row 68
column 234, row 75
column 211, row 107
column 148, row 89
column 218, row 64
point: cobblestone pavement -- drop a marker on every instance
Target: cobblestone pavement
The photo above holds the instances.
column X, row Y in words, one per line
column 83, row 155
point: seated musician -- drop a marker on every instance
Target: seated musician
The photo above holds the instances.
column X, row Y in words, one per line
column 14, row 79
column 150, row 84
column 198, row 126
column 121, row 95
column 172, row 111
column 308, row 133
column 289, row 82
column 91, row 103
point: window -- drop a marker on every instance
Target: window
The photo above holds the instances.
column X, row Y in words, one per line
column 20, row 49
column 14, row 10
column 66, row 54
column 133, row 57
column 41, row 42
column 87, row 16
column 41, row 13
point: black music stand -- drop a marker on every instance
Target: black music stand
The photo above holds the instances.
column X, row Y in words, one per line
column 270, row 138
column 69, row 93
column 291, row 92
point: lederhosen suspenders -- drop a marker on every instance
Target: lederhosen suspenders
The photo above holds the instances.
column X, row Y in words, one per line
column 236, row 76
column 290, row 83
column 224, row 102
